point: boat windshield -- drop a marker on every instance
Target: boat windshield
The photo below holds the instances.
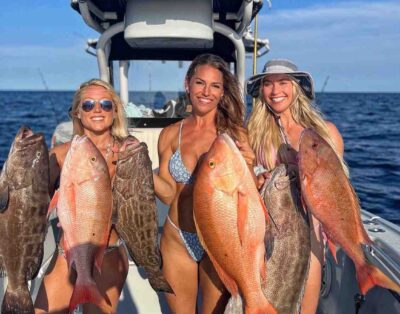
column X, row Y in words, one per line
column 156, row 93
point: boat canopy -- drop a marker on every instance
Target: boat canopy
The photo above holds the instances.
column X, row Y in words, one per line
column 166, row 20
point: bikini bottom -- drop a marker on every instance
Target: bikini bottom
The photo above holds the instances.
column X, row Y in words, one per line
column 191, row 241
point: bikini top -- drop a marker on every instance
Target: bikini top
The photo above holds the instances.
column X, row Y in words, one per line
column 176, row 167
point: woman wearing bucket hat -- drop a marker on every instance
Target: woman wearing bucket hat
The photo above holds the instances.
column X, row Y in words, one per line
column 282, row 110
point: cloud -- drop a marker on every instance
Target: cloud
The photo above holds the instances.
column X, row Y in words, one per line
column 356, row 43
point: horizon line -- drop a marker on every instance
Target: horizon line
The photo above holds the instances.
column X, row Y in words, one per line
column 177, row 91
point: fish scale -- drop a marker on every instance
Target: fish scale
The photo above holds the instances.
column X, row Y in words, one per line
column 135, row 210
column 84, row 204
column 330, row 197
column 24, row 197
column 230, row 220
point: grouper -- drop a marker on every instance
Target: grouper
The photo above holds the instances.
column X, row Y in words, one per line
column 135, row 210
column 24, row 199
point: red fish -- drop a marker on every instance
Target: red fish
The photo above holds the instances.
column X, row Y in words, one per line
column 329, row 195
column 230, row 219
column 84, row 207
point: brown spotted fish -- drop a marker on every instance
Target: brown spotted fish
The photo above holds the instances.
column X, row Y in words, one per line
column 134, row 206
column 288, row 240
column 330, row 197
column 24, row 199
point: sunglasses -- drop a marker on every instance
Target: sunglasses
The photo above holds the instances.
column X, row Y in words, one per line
column 105, row 104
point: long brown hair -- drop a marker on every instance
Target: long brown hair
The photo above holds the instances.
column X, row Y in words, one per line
column 231, row 109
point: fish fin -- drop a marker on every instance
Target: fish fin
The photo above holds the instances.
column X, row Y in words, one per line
column 53, row 203
column 17, row 301
column 228, row 282
column 88, row 292
column 362, row 234
column 98, row 260
column 158, row 282
column 242, row 216
column 332, row 248
column 67, row 254
column 369, row 275
column 264, row 206
column 3, row 272
column 4, row 194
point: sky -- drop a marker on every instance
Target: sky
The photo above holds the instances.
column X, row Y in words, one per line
column 354, row 43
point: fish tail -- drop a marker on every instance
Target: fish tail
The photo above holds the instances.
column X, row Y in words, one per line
column 88, row 292
column 17, row 302
column 159, row 283
column 369, row 275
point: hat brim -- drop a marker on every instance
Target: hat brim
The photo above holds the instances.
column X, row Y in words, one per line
column 304, row 79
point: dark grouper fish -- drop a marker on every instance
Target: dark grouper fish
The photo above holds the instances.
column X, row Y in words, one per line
column 330, row 197
column 134, row 205
column 24, row 199
column 287, row 243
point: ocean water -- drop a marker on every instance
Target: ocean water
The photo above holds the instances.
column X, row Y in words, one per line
column 368, row 122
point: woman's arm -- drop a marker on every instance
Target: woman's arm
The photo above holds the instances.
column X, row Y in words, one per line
column 164, row 184
column 56, row 160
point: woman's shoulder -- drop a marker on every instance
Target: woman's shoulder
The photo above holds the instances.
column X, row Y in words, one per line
column 171, row 131
column 60, row 151
column 333, row 130
column 336, row 136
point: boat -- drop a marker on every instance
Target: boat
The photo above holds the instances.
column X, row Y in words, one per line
column 178, row 30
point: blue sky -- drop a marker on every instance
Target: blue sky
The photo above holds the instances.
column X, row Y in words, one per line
column 356, row 43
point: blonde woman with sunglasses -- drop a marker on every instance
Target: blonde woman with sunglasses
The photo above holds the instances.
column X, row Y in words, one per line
column 96, row 112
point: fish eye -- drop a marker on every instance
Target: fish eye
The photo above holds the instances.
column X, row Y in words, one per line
column 211, row 163
column 93, row 159
column 314, row 145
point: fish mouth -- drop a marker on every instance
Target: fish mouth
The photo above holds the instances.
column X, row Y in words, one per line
column 26, row 138
column 24, row 132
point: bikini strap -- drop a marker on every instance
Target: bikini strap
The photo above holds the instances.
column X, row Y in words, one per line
column 180, row 135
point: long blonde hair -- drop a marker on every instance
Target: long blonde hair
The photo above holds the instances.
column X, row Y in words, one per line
column 264, row 132
column 119, row 127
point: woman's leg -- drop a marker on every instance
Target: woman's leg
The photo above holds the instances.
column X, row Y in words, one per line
column 180, row 270
column 56, row 288
column 313, row 283
column 215, row 295
column 111, row 281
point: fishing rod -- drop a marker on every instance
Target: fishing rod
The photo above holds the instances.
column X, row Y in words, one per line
column 46, row 87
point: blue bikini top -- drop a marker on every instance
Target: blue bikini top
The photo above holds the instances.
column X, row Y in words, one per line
column 176, row 167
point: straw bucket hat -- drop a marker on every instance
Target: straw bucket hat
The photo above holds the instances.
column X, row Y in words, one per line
column 281, row 66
